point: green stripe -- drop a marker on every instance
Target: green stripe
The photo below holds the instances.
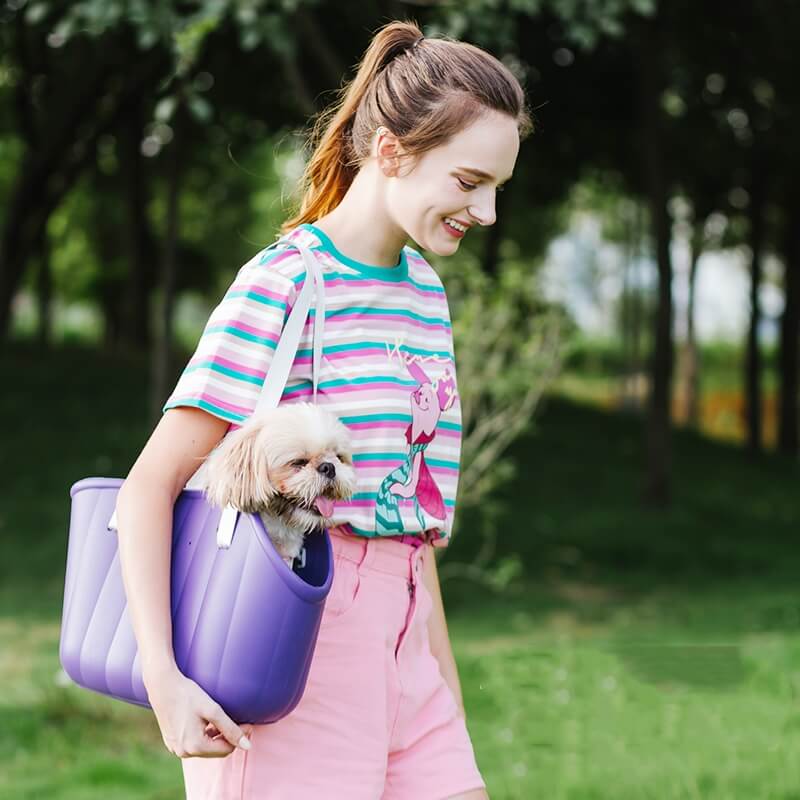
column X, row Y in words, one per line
column 268, row 255
column 343, row 382
column 373, row 495
column 267, row 301
column 434, row 462
column 346, row 276
column 451, row 426
column 219, row 412
column 241, row 376
column 250, row 337
column 395, row 312
column 343, row 348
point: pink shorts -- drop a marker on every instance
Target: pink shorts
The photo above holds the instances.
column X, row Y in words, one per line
column 376, row 721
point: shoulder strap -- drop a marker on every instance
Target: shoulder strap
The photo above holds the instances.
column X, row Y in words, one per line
column 278, row 372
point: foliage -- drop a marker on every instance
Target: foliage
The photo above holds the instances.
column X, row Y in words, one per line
column 508, row 346
column 584, row 21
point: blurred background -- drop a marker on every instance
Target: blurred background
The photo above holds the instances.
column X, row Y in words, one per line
column 621, row 587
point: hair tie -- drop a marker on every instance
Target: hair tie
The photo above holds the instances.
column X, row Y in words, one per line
column 417, row 42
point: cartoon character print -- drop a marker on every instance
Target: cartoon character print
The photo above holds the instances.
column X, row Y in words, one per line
column 413, row 478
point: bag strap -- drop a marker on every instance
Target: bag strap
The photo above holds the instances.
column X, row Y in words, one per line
column 281, row 364
column 278, row 374
column 285, row 352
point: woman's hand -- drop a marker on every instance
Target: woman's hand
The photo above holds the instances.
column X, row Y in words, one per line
column 191, row 723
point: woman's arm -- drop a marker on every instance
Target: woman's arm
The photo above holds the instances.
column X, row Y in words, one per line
column 437, row 629
column 174, row 451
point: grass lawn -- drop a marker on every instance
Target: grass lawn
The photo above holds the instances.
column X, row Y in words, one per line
column 640, row 654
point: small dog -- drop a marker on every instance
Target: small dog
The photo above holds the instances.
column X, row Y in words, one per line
column 289, row 464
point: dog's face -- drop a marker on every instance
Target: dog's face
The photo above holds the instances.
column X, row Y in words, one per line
column 291, row 462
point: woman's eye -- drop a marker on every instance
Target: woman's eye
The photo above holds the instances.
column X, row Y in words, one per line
column 470, row 186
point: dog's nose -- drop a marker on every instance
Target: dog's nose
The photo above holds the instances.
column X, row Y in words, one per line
column 327, row 469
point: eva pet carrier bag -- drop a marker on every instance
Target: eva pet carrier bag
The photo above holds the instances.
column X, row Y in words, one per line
column 244, row 623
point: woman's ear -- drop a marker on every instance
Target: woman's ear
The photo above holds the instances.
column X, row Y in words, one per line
column 236, row 471
column 389, row 152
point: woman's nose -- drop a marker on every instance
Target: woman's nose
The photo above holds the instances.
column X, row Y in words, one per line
column 484, row 211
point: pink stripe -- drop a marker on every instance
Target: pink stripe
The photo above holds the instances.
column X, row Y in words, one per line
column 408, row 502
column 259, row 290
column 370, row 355
column 215, row 401
column 371, row 387
column 235, row 365
column 243, row 326
column 337, row 282
column 282, row 257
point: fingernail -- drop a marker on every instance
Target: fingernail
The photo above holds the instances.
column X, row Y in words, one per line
column 244, row 743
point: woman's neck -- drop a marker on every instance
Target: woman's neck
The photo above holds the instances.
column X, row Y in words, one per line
column 360, row 226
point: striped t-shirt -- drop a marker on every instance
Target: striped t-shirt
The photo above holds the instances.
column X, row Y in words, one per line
column 388, row 373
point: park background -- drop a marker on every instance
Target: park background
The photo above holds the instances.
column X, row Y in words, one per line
column 621, row 587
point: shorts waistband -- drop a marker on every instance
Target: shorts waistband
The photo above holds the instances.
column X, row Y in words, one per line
column 391, row 554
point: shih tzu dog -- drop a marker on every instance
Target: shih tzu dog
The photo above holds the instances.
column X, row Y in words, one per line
column 289, row 464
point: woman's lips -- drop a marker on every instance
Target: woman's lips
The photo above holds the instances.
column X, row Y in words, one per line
column 452, row 231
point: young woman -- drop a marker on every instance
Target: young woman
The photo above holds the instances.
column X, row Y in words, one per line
column 417, row 147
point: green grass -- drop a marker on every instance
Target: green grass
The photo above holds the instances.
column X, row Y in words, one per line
column 641, row 654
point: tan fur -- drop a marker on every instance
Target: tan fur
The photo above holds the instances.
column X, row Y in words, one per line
column 255, row 469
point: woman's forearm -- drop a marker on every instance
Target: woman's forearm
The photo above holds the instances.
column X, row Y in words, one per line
column 437, row 630
column 144, row 520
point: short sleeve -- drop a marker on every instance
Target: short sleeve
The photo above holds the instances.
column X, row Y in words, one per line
column 225, row 374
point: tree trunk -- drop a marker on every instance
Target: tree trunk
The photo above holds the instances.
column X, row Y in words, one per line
column 140, row 240
column 637, row 307
column 692, row 364
column 44, row 295
column 162, row 361
column 789, row 350
column 657, row 487
column 753, row 367
column 48, row 171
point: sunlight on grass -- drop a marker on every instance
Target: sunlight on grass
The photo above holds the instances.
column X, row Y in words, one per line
column 634, row 654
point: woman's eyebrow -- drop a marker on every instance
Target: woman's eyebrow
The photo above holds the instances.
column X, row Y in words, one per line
column 481, row 174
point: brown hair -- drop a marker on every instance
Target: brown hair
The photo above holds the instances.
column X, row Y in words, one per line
column 423, row 91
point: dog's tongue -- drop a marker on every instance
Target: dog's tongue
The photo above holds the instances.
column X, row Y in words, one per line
column 325, row 506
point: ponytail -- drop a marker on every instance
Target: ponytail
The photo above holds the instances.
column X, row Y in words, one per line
column 422, row 89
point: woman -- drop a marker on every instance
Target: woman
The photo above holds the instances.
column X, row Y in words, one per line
column 417, row 147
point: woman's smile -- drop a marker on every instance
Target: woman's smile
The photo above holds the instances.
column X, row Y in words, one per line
column 456, row 234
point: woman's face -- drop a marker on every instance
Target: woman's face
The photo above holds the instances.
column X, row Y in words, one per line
column 440, row 183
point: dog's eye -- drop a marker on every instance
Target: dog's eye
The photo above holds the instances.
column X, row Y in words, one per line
column 343, row 458
column 300, row 462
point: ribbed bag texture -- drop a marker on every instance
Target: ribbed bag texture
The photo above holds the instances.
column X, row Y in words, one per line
column 244, row 624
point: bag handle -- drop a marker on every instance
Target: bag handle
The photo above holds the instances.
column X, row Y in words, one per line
column 281, row 364
column 282, row 361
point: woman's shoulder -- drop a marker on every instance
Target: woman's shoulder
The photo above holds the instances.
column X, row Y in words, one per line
column 279, row 261
column 420, row 269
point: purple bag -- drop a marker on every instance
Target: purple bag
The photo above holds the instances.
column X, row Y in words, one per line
column 244, row 624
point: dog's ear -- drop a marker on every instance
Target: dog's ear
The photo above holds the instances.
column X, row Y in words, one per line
column 236, row 471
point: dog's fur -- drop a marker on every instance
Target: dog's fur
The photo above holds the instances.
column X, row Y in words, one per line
column 283, row 463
